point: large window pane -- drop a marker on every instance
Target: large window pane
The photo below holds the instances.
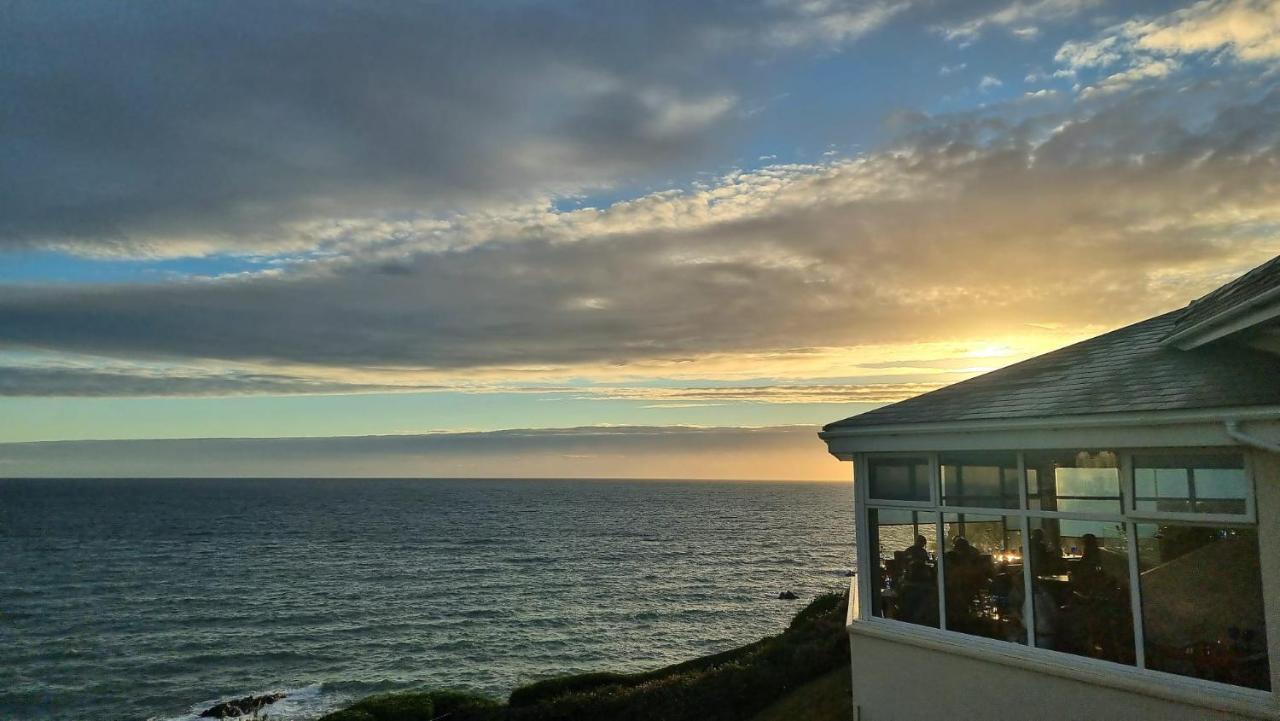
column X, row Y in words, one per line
column 982, row 576
column 1080, row 588
column 899, row 479
column 905, row 585
column 1074, row 481
column 1190, row 483
column 987, row 480
column 1202, row 604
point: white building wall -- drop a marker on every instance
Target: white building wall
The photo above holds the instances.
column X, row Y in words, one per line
column 894, row 681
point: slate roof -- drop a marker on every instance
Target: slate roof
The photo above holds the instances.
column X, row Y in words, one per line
column 1247, row 287
column 1126, row 370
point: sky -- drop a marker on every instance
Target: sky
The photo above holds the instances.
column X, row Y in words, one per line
column 644, row 239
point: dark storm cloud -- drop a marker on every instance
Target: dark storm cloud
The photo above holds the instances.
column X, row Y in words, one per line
column 171, row 127
column 971, row 225
column 32, row 381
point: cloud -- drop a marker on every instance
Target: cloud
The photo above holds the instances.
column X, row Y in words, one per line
column 780, row 453
column 1020, row 19
column 197, row 128
column 1100, row 214
column 33, row 381
column 832, row 21
column 1248, row 30
column 792, row 393
column 988, row 83
column 1242, row 31
column 86, row 382
column 1148, row 69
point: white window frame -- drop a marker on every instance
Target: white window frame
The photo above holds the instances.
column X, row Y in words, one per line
column 931, row 459
column 1128, row 518
column 1249, row 517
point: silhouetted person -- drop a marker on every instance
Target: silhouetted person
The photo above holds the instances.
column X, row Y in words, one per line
column 966, row 576
column 963, row 553
column 918, row 551
column 917, row 586
column 1043, row 558
column 1092, row 555
column 1097, row 612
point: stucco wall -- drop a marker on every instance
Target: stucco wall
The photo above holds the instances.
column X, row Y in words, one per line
column 893, row 681
column 1266, row 475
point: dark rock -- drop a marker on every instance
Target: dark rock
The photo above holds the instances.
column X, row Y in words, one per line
column 787, row 596
column 242, row 706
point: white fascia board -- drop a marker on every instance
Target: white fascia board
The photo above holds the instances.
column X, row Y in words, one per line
column 1253, row 312
column 1169, row 429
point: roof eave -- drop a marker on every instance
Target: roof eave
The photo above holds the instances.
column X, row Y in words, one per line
column 1094, row 420
column 1254, row 311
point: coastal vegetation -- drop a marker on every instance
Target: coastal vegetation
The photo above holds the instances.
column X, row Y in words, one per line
column 761, row 679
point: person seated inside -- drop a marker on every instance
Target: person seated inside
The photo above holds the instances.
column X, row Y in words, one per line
column 1044, row 558
column 918, row 551
column 1097, row 610
column 918, row 585
column 1088, row 576
column 967, row 575
column 963, row 556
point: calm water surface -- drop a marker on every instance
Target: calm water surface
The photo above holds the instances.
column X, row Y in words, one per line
column 153, row 599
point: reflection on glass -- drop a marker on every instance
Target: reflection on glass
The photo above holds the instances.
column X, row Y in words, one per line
column 1190, row 483
column 899, row 479
column 1073, row 481
column 983, row 479
column 1080, row 588
column 905, row 585
column 1202, row 604
column 982, row 576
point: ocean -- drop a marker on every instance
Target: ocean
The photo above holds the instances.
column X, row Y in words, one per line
column 154, row 599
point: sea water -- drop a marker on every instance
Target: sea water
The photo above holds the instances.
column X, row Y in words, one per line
column 154, row 599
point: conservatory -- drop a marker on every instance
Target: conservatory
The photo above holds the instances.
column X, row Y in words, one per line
column 1089, row 534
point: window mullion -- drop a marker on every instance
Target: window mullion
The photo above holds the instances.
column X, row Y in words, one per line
column 942, row 569
column 1028, row 604
column 1128, row 492
column 863, row 533
column 1022, row 482
column 1135, row 595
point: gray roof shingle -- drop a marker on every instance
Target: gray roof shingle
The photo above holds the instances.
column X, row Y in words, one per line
column 1125, row 370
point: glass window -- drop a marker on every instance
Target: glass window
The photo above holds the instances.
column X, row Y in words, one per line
column 904, row 585
column 1190, row 484
column 982, row 576
column 980, row 480
column 1202, row 609
column 1080, row 588
column 1073, row 481
column 900, row 479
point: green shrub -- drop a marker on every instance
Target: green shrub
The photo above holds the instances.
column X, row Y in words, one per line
column 540, row 691
column 413, row 706
column 416, row 706
column 349, row 714
column 728, row 686
column 821, row 606
column 465, row 706
column 560, row 685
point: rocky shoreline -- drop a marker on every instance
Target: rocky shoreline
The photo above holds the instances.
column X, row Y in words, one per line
column 247, row 706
